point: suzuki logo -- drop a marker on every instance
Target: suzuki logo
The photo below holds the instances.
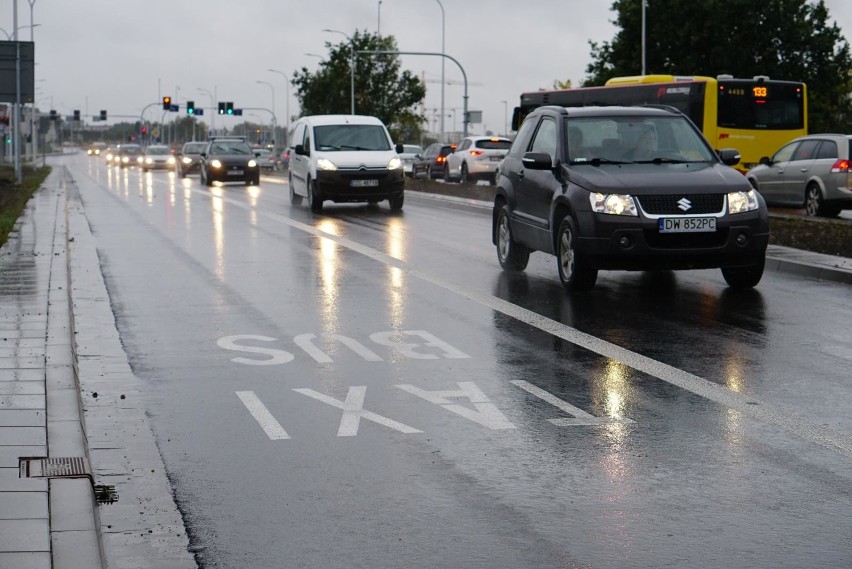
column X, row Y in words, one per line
column 684, row 204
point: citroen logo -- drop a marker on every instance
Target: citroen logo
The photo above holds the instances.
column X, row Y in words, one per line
column 363, row 167
column 684, row 204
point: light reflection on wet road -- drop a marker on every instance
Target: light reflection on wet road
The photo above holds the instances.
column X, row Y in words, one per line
column 351, row 326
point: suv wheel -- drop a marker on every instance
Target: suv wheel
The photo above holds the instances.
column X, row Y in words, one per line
column 314, row 199
column 574, row 273
column 396, row 201
column 744, row 277
column 512, row 256
column 465, row 175
column 447, row 173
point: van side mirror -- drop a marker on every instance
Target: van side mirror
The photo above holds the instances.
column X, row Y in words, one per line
column 300, row 150
column 537, row 161
column 399, row 149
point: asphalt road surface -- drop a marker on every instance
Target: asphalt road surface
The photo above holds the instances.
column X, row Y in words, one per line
column 368, row 389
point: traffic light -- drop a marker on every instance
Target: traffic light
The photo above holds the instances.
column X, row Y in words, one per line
column 229, row 108
column 221, row 108
column 190, row 107
column 53, row 116
column 144, row 130
column 77, row 115
column 103, row 115
column 167, row 103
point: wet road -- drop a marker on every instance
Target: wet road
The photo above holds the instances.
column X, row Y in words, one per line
column 368, row 389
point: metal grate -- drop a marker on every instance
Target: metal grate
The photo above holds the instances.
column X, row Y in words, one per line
column 669, row 205
column 41, row 467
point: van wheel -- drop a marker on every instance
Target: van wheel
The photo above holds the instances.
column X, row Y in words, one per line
column 512, row 255
column 295, row 199
column 314, row 199
column 396, row 202
column 574, row 273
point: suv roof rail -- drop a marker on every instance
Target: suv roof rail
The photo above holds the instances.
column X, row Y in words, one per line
column 669, row 108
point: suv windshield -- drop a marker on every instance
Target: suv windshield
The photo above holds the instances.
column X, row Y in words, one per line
column 626, row 139
column 195, row 148
column 350, row 137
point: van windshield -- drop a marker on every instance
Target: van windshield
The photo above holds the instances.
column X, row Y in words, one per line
column 344, row 137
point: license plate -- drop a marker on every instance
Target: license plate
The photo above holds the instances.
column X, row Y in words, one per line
column 363, row 183
column 687, row 224
column 235, row 172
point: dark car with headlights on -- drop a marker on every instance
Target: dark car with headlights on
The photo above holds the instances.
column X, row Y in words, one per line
column 229, row 160
column 189, row 158
column 626, row 188
column 128, row 155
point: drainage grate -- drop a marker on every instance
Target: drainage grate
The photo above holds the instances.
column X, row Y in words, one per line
column 41, row 467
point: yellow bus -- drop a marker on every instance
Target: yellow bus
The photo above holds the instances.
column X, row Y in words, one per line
column 756, row 116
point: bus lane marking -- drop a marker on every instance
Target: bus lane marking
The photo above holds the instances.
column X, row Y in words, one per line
column 261, row 414
column 777, row 415
column 484, row 413
column 353, row 412
column 579, row 417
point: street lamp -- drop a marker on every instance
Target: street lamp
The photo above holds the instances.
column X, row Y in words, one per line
column 320, row 57
column 274, row 122
column 443, row 61
column 351, row 65
column 287, row 117
column 212, row 106
column 505, row 118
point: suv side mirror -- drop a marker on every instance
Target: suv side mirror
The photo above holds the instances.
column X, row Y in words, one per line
column 729, row 156
column 300, row 150
column 537, row 161
column 399, row 149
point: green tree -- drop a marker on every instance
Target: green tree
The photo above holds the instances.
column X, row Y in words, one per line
column 783, row 39
column 381, row 89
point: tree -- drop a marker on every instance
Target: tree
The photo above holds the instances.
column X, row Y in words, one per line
column 381, row 90
column 783, row 39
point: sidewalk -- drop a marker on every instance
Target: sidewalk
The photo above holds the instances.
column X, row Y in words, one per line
column 54, row 524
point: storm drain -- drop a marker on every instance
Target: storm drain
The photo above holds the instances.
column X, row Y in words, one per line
column 70, row 467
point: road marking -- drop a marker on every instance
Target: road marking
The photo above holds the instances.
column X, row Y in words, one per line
column 485, row 412
column 746, row 405
column 580, row 417
column 353, row 412
column 304, row 341
column 261, row 414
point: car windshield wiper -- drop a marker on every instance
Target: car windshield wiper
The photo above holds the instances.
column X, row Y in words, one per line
column 597, row 161
column 663, row 161
column 328, row 147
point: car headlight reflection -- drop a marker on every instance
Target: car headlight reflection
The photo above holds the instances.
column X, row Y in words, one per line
column 741, row 202
column 613, row 204
column 326, row 164
column 394, row 163
column 216, row 163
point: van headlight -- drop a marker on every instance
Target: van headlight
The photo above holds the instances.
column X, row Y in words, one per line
column 326, row 164
column 741, row 202
column 395, row 163
column 613, row 204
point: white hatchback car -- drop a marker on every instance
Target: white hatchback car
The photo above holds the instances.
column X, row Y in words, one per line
column 477, row 157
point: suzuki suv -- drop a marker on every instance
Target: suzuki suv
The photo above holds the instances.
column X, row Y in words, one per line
column 625, row 188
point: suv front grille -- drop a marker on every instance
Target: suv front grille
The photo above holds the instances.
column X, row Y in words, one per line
column 670, row 205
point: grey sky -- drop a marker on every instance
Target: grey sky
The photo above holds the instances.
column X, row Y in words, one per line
column 120, row 56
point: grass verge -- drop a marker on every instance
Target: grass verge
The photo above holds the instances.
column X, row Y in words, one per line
column 14, row 196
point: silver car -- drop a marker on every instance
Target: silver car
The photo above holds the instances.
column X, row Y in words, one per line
column 409, row 152
column 811, row 171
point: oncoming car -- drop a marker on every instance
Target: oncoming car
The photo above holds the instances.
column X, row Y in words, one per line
column 158, row 157
column 189, row 158
column 229, row 160
column 577, row 185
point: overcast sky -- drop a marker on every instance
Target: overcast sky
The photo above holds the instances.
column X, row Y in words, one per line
column 120, row 55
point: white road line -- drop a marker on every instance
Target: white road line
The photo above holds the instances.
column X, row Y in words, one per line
column 748, row 406
column 261, row 414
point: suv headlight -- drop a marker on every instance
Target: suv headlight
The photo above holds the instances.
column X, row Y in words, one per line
column 326, row 164
column 394, row 163
column 741, row 202
column 613, row 204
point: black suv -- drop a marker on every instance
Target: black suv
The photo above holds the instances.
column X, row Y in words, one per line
column 625, row 188
column 229, row 160
column 432, row 161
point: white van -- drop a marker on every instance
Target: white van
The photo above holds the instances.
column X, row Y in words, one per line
column 344, row 158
